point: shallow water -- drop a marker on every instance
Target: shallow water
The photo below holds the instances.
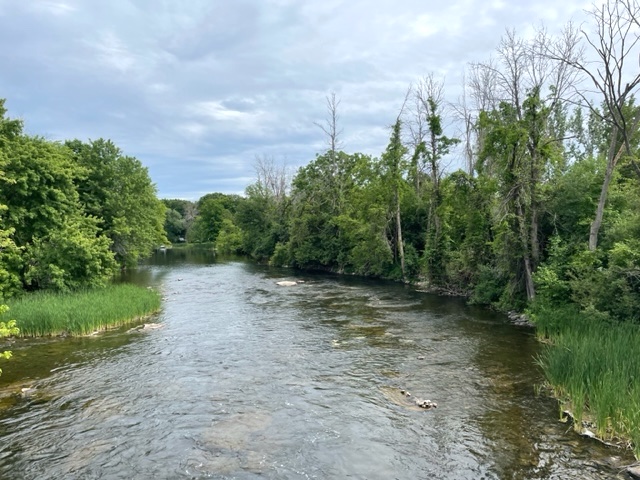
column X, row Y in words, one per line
column 248, row 379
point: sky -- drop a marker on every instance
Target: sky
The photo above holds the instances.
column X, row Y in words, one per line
column 198, row 89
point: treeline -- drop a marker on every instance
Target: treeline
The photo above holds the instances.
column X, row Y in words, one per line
column 547, row 209
column 71, row 213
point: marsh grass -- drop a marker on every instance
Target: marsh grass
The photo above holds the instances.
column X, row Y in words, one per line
column 595, row 364
column 81, row 313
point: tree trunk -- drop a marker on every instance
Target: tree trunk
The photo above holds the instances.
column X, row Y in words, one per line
column 526, row 255
column 535, row 243
column 399, row 237
column 612, row 159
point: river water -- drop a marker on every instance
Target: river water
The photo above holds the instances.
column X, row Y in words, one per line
column 248, row 379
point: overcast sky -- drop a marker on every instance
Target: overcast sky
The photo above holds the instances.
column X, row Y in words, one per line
column 195, row 89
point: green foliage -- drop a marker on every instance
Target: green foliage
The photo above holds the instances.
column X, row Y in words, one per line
column 7, row 328
column 47, row 241
column 71, row 257
column 82, row 312
column 117, row 189
column 69, row 212
column 466, row 233
column 489, row 287
column 281, row 255
column 207, row 225
column 179, row 219
column 175, row 226
column 262, row 216
column 229, row 239
column 10, row 264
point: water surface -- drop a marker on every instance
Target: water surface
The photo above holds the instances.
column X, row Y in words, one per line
column 248, row 380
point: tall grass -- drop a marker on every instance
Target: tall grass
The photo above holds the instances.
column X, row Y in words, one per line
column 595, row 364
column 81, row 313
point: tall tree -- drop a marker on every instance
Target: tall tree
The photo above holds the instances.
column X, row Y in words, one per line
column 393, row 167
column 330, row 125
column 434, row 148
column 47, row 240
column 118, row 190
column 263, row 215
column 615, row 43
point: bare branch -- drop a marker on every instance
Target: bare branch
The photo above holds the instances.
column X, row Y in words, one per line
column 330, row 125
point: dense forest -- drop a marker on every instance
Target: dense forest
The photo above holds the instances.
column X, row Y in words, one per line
column 546, row 210
column 71, row 214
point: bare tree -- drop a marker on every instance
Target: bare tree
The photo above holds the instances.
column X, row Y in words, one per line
column 481, row 84
column 272, row 178
column 615, row 78
column 464, row 114
column 426, row 100
column 330, row 124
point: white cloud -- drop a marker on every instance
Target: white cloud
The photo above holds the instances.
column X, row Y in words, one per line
column 113, row 52
column 50, row 7
column 215, row 83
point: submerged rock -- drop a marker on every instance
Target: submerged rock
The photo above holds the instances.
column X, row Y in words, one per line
column 27, row 392
column 634, row 471
column 145, row 327
column 587, row 433
column 286, row 283
column 520, row 319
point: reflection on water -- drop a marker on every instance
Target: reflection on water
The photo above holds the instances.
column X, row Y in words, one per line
column 248, row 379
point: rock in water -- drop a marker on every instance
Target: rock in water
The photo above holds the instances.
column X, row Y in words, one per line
column 145, row 327
column 286, row 283
column 634, row 472
column 587, row 433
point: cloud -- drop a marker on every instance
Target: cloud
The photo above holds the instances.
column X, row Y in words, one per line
column 52, row 8
column 197, row 89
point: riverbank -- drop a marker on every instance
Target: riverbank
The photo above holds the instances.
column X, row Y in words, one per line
column 81, row 313
column 592, row 365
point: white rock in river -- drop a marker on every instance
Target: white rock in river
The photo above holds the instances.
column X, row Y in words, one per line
column 286, row 283
column 634, row 471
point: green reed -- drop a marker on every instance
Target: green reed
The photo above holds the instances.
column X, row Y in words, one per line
column 81, row 313
column 594, row 363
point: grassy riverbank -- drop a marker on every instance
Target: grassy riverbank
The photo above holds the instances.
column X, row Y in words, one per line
column 594, row 364
column 81, row 313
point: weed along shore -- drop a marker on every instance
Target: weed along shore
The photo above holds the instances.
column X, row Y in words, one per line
column 81, row 313
column 593, row 367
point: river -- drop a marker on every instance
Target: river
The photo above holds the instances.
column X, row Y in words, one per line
column 248, row 379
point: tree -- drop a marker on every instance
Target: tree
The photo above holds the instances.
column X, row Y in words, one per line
column 393, row 166
column 42, row 212
column 70, row 257
column 435, row 147
column 179, row 220
column 175, row 226
column 117, row 190
column 330, row 125
column 615, row 43
column 208, row 222
column 519, row 141
column 263, row 215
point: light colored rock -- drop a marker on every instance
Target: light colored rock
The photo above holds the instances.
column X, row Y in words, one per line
column 634, row 472
column 27, row 392
column 427, row 404
column 145, row 327
column 587, row 433
column 152, row 326
column 286, row 283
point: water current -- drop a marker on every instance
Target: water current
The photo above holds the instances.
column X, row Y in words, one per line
column 248, row 379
